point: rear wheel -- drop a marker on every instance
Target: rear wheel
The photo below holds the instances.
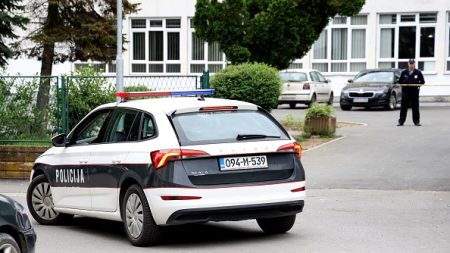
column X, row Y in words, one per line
column 276, row 225
column 331, row 99
column 8, row 244
column 346, row 107
column 313, row 100
column 139, row 224
column 392, row 105
column 292, row 105
column 40, row 202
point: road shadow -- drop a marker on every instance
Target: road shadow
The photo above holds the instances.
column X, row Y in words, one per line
column 191, row 235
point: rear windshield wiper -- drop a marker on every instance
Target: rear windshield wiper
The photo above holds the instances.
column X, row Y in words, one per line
column 255, row 136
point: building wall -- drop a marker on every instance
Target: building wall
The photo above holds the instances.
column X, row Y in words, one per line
column 185, row 9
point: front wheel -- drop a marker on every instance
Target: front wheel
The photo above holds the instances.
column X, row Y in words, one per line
column 313, row 100
column 278, row 225
column 331, row 99
column 8, row 244
column 392, row 105
column 346, row 107
column 40, row 202
column 139, row 224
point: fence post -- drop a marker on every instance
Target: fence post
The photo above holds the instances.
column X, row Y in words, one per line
column 64, row 106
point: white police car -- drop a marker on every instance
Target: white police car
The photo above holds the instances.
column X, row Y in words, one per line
column 168, row 161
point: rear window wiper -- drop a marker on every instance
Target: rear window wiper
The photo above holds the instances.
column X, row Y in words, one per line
column 255, row 136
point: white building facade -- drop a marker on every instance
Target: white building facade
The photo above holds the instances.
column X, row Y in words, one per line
column 161, row 41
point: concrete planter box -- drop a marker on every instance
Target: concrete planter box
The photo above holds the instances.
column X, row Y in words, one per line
column 320, row 125
column 16, row 161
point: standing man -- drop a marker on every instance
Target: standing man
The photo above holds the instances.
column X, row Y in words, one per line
column 412, row 78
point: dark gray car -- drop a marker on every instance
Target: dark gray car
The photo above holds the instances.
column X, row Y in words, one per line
column 372, row 88
column 16, row 233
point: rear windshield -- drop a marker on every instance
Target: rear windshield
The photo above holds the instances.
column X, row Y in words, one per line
column 293, row 76
column 225, row 127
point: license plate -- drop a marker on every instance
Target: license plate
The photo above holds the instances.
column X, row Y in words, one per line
column 360, row 100
column 287, row 97
column 243, row 163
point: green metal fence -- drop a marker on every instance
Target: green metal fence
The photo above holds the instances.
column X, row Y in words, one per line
column 70, row 98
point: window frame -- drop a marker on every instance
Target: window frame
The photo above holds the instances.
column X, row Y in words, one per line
column 349, row 60
column 418, row 25
column 165, row 61
column 205, row 62
column 447, row 50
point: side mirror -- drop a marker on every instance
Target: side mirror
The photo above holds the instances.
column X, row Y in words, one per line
column 328, row 81
column 350, row 81
column 59, row 140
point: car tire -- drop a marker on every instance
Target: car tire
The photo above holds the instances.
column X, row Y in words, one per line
column 292, row 105
column 8, row 244
column 138, row 221
column 392, row 104
column 346, row 107
column 313, row 100
column 278, row 225
column 331, row 99
column 40, row 203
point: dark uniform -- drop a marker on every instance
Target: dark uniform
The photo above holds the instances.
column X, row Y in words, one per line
column 410, row 94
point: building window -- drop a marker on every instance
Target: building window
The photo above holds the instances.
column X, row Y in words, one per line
column 98, row 67
column 448, row 42
column 297, row 64
column 204, row 55
column 341, row 46
column 155, row 45
column 405, row 36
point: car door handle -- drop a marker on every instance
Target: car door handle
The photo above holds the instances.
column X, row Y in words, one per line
column 116, row 161
column 83, row 161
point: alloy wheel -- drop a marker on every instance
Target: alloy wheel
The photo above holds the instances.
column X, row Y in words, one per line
column 42, row 201
column 134, row 215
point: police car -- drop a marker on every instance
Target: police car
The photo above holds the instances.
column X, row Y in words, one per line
column 156, row 162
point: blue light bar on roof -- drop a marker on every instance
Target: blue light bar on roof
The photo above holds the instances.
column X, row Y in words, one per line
column 181, row 93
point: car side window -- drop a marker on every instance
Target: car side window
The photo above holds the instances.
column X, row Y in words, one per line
column 321, row 77
column 91, row 131
column 148, row 127
column 314, row 76
column 124, row 127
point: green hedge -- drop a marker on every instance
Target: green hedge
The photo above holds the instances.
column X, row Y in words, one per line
column 252, row 82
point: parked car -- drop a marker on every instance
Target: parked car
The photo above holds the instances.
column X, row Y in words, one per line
column 169, row 161
column 373, row 87
column 304, row 86
column 16, row 232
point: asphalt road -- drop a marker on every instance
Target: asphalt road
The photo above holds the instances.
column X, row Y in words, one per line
column 381, row 188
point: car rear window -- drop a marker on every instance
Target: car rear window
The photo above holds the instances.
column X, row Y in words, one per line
column 293, row 76
column 225, row 126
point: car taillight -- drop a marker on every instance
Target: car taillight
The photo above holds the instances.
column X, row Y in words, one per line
column 295, row 147
column 161, row 158
column 306, row 86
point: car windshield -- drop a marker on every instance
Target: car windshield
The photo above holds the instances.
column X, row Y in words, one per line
column 225, row 127
column 293, row 76
column 374, row 77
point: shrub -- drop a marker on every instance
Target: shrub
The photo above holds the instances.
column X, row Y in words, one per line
column 319, row 120
column 319, row 110
column 87, row 90
column 18, row 113
column 252, row 82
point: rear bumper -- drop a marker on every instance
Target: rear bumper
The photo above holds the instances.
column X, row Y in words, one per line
column 230, row 203
column 294, row 98
column 235, row 213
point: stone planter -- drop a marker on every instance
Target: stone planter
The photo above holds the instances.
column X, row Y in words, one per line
column 320, row 125
column 17, row 162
